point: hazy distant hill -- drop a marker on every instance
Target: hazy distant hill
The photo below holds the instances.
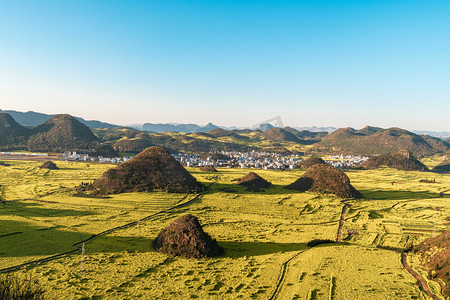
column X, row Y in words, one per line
column 264, row 127
column 439, row 134
column 317, row 129
column 188, row 128
column 33, row 119
column 350, row 141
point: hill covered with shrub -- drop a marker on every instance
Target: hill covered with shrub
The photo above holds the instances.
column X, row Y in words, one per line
column 370, row 141
column 401, row 160
column 58, row 134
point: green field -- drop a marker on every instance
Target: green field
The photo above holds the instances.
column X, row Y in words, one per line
column 264, row 236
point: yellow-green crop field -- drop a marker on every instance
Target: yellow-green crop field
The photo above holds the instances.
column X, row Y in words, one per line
column 264, row 235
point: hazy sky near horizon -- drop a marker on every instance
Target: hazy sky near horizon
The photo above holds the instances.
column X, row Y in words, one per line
column 323, row 63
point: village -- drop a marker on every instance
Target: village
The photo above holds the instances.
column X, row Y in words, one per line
column 224, row 159
column 261, row 160
column 74, row 156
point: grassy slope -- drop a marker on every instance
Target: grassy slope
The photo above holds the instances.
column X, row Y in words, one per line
column 259, row 232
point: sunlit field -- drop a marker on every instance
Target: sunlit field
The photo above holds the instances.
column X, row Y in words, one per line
column 264, row 236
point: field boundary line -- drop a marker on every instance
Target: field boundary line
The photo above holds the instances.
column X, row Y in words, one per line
column 78, row 244
column 282, row 274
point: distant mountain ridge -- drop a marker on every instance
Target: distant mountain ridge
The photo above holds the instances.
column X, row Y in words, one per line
column 57, row 134
column 439, row 134
column 33, row 119
column 188, row 128
column 372, row 140
column 329, row 129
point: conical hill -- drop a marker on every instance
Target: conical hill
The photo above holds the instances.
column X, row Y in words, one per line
column 401, row 160
column 311, row 161
column 185, row 237
column 152, row 169
column 61, row 133
column 253, row 180
column 49, row 165
column 12, row 134
column 326, row 179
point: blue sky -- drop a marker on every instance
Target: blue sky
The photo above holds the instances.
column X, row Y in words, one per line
column 323, row 63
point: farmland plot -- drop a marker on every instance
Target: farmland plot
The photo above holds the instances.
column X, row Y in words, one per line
column 264, row 236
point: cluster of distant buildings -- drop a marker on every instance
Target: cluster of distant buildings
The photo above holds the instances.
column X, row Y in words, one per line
column 74, row 156
column 260, row 160
column 224, row 159
column 235, row 159
column 347, row 161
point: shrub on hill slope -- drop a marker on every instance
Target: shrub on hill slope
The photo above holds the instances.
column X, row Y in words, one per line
column 185, row 237
column 208, row 168
column 385, row 141
column 311, row 161
column 435, row 142
column 61, row 133
column 368, row 130
column 152, row 169
column 342, row 134
column 219, row 132
column 242, row 131
column 253, row 180
column 49, row 165
column 12, row 134
column 280, row 135
column 131, row 145
column 305, row 134
column 117, row 133
column 402, row 160
column 324, row 178
column 435, row 254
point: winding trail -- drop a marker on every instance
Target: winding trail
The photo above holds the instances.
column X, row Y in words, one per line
column 422, row 283
column 341, row 222
column 441, row 194
column 79, row 244
column 282, row 275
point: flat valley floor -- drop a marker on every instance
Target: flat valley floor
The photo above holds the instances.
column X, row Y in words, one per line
column 264, row 235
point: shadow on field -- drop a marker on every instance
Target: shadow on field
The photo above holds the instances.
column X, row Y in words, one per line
column 28, row 209
column 119, row 244
column 241, row 249
column 19, row 238
column 238, row 189
column 114, row 244
column 397, row 195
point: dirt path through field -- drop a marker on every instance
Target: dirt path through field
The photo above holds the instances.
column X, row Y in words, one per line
column 79, row 244
column 341, row 222
column 422, row 283
column 281, row 277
